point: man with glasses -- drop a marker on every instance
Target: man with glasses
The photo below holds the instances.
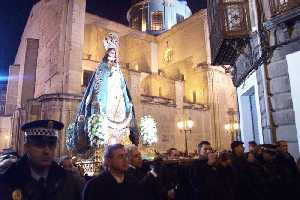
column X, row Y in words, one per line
column 113, row 183
column 36, row 176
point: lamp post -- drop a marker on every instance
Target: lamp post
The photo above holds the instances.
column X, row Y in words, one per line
column 186, row 126
column 232, row 128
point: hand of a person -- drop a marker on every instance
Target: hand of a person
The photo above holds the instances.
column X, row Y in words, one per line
column 171, row 194
column 212, row 158
column 153, row 173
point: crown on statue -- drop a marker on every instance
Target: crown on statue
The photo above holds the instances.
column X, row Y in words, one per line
column 111, row 41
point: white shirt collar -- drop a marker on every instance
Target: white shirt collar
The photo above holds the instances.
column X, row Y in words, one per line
column 37, row 176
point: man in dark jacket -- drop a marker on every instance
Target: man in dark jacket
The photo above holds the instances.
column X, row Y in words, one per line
column 36, row 176
column 148, row 180
column 288, row 170
column 113, row 183
column 204, row 174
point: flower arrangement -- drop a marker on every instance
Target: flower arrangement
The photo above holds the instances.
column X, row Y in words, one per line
column 148, row 131
column 96, row 131
column 69, row 137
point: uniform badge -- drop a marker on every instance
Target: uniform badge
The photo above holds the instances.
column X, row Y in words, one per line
column 17, row 194
column 50, row 125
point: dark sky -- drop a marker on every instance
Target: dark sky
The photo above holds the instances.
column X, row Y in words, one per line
column 14, row 14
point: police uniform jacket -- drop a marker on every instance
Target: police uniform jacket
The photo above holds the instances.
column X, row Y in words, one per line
column 17, row 183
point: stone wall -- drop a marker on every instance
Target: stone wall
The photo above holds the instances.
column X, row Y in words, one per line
column 30, row 66
column 54, row 25
column 187, row 39
column 53, row 70
column 221, row 98
column 169, row 134
column 181, row 50
column 12, row 89
column 93, row 42
column 156, row 85
column 3, row 89
column 60, row 107
column 72, row 43
column 278, row 94
column 39, row 26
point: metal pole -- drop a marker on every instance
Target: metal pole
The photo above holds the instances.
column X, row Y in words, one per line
column 186, row 150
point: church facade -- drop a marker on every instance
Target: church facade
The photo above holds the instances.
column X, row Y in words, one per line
column 169, row 75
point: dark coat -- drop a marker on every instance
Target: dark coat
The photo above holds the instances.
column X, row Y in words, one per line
column 60, row 184
column 204, row 181
column 105, row 187
column 150, row 187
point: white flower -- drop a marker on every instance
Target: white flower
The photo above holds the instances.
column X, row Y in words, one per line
column 96, row 130
column 148, row 130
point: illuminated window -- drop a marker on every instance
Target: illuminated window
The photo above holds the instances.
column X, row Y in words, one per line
column 160, row 91
column 145, row 18
column 157, row 21
column 194, row 96
column 135, row 23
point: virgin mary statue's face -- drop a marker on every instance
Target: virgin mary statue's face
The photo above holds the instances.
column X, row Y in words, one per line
column 111, row 55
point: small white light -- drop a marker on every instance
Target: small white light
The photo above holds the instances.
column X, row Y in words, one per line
column 227, row 127
column 236, row 126
column 190, row 124
column 136, row 67
column 180, row 125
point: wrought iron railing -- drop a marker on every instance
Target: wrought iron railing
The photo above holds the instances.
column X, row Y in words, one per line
column 278, row 7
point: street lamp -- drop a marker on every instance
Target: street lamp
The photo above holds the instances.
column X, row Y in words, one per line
column 186, row 126
column 232, row 128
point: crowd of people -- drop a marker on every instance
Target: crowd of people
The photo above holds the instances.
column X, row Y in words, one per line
column 265, row 172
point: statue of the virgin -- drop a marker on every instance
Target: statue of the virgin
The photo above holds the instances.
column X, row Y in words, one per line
column 107, row 97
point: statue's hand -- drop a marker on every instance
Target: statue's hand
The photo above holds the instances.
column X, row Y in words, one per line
column 130, row 105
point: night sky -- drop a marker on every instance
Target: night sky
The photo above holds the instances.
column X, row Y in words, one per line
column 14, row 14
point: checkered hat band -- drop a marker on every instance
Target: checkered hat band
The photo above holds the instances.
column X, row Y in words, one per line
column 42, row 132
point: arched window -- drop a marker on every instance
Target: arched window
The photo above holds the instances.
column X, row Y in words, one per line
column 156, row 21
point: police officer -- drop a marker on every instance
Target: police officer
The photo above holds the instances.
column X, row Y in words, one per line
column 36, row 176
